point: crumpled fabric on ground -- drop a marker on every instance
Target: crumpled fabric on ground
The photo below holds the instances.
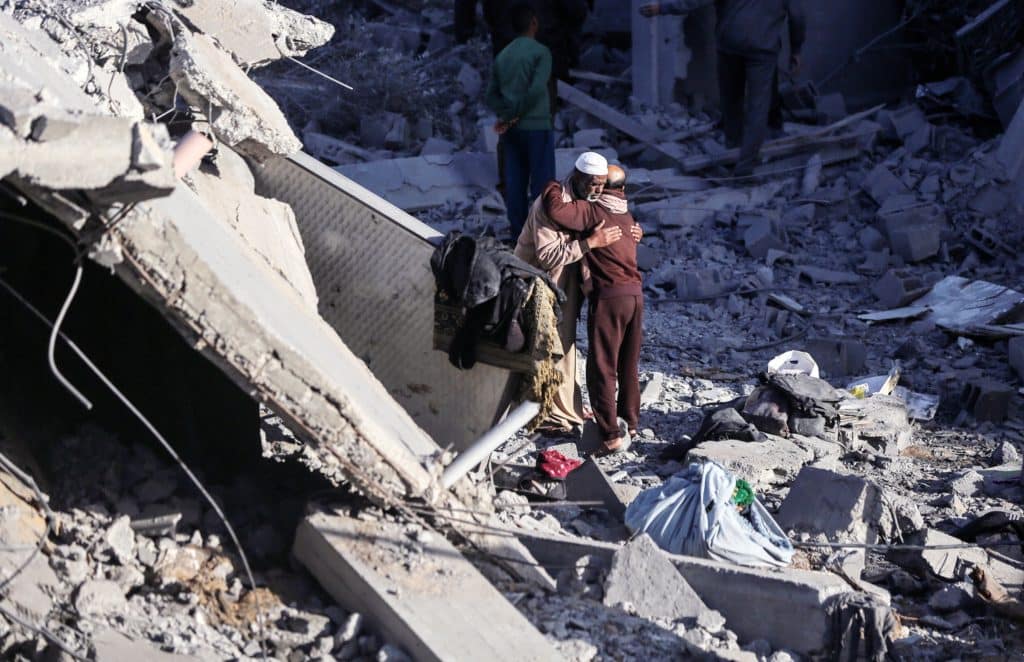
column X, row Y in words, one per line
column 860, row 620
column 555, row 465
column 692, row 513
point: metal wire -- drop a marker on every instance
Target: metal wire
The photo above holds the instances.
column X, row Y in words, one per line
column 51, row 345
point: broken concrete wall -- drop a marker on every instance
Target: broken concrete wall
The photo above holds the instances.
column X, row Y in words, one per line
column 371, row 265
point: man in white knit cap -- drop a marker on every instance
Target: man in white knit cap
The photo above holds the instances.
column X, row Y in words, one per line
column 546, row 246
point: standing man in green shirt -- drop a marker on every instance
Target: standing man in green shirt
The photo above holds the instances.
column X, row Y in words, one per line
column 518, row 94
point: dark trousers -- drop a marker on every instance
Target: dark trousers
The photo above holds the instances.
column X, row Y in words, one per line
column 745, row 83
column 615, row 332
column 529, row 158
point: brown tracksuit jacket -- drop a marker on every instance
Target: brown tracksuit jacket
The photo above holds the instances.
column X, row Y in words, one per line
column 615, row 322
column 613, row 269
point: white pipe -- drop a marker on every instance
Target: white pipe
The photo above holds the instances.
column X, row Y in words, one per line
column 493, row 438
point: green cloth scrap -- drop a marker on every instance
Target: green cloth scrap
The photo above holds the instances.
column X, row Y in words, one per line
column 743, row 495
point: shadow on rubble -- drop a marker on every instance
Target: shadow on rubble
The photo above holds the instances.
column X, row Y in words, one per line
column 105, row 459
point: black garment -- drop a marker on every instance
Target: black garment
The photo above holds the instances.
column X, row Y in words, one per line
column 746, row 84
column 491, row 285
column 750, row 27
column 560, row 24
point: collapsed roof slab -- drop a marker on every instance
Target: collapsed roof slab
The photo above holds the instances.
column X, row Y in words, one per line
column 210, row 285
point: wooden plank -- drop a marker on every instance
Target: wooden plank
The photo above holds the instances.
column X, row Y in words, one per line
column 783, row 146
column 419, row 591
column 618, row 120
column 579, row 74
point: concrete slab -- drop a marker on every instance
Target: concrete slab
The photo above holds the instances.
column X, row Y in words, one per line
column 643, row 576
column 421, row 182
column 791, row 605
column 773, row 462
column 256, row 32
column 419, row 591
column 844, row 507
column 589, row 483
column 201, row 275
column 243, row 115
column 112, row 646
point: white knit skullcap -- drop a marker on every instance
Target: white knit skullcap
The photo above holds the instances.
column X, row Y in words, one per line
column 592, row 163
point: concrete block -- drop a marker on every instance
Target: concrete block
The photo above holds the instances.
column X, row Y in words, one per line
column 987, row 400
column 691, row 285
column 590, row 483
column 844, row 507
column 642, row 575
column 761, row 237
column 792, row 605
column 1015, row 351
column 838, row 357
column 651, row 392
column 898, row 288
column 881, row 184
column 871, row 239
column 883, row 425
column 915, row 243
column 765, row 463
column 418, row 591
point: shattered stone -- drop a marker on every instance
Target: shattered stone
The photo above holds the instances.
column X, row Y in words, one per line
column 257, row 32
column 987, row 400
column 1005, row 453
column 100, row 598
column 643, row 577
column 968, row 484
column 121, row 539
column 243, row 116
column 946, row 564
column 881, row 184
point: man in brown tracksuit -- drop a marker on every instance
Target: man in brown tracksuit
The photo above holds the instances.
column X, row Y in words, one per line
column 615, row 320
column 560, row 253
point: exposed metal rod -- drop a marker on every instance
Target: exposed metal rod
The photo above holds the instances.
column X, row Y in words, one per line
column 493, row 438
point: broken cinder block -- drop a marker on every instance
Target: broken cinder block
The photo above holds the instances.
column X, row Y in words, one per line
column 761, row 236
column 987, row 400
column 881, row 184
column 898, row 288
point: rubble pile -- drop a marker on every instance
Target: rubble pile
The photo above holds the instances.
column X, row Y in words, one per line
column 140, row 567
column 848, row 251
column 841, row 330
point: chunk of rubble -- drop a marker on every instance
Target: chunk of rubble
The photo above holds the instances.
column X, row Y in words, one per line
column 773, row 462
column 257, row 32
column 242, row 114
column 267, row 225
column 643, row 577
column 947, row 564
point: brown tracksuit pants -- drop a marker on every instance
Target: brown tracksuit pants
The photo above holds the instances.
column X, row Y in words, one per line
column 615, row 332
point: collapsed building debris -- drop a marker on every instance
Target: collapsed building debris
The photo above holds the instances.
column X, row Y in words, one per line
column 314, row 296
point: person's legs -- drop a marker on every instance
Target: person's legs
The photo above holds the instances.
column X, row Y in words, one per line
column 605, row 327
column 629, row 365
column 761, row 73
column 731, row 83
column 541, row 151
column 567, row 406
column 517, row 177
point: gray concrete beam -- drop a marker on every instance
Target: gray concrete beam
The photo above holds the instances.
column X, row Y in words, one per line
column 418, row 590
column 787, row 607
